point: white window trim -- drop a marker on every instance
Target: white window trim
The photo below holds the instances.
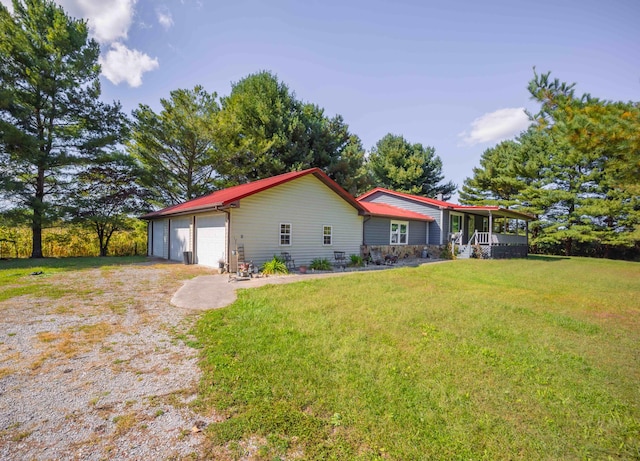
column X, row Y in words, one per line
column 405, row 223
column 280, row 234
column 453, row 213
column 330, row 235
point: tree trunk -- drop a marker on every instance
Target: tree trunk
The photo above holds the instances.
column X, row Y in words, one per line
column 568, row 243
column 38, row 210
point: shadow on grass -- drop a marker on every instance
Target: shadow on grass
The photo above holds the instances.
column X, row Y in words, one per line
column 546, row 258
column 70, row 263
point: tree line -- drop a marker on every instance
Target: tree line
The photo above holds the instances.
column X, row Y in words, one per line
column 68, row 156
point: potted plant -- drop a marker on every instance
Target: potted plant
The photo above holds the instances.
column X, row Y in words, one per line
column 302, row 269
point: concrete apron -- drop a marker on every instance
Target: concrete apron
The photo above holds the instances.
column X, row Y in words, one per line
column 216, row 291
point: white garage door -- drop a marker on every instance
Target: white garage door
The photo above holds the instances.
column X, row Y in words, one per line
column 179, row 240
column 159, row 238
column 210, row 239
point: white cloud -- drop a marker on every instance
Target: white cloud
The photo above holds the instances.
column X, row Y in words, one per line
column 8, row 4
column 120, row 64
column 496, row 126
column 109, row 20
column 164, row 17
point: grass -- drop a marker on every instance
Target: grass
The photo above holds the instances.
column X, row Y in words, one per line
column 517, row 359
column 16, row 278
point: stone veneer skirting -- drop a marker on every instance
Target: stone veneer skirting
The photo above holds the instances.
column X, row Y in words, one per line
column 401, row 251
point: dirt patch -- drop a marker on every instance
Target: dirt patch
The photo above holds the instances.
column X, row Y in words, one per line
column 100, row 373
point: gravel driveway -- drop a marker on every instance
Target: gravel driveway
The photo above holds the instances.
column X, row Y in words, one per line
column 100, row 373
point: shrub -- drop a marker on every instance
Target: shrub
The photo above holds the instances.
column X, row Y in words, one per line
column 356, row 261
column 445, row 253
column 275, row 266
column 320, row 264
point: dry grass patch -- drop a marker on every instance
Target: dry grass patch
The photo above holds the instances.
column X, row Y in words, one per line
column 6, row 372
column 124, row 423
column 70, row 342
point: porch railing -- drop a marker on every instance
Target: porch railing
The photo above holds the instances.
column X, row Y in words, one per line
column 483, row 238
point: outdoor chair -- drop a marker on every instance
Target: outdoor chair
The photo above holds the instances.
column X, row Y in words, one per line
column 376, row 257
column 244, row 269
column 288, row 261
column 340, row 259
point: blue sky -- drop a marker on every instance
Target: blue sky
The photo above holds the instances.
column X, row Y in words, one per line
column 452, row 75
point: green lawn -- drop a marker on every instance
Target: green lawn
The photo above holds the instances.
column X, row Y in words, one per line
column 16, row 277
column 512, row 359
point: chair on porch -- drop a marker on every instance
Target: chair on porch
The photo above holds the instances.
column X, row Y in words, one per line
column 288, row 260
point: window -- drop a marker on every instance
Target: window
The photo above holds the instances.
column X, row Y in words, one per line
column 285, row 234
column 399, row 232
column 327, row 235
column 455, row 223
column 485, row 224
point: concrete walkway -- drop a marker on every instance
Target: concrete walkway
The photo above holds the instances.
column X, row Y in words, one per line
column 215, row 291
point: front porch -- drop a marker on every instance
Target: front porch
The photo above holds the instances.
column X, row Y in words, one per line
column 487, row 245
column 492, row 234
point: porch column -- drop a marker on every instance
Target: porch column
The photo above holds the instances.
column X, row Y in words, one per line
column 490, row 232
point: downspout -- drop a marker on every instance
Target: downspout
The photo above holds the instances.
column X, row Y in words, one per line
column 364, row 242
column 366, row 218
column 169, row 239
column 194, row 241
column 228, row 243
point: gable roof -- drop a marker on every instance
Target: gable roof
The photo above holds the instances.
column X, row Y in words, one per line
column 417, row 198
column 226, row 198
column 383, row 210
column 482, row 210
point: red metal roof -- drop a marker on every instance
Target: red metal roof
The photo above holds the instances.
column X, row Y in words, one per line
column 225, row 197
column 452, row 206
column 417, row 198
column 389, row 211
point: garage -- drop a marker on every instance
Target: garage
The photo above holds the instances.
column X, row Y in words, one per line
column 210, row 239
column 179, row 238
column 159, row 238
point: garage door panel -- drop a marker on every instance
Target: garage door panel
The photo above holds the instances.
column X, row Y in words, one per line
column 159, row 239
column 179, row 238
column 210, row 240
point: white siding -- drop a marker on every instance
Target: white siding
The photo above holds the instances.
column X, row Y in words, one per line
column 210, row 239
column 180, row 238
column 308, row 205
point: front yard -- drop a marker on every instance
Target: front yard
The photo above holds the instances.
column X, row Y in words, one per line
column 517, row 359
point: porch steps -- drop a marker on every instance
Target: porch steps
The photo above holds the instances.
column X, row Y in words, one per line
column 464, row 251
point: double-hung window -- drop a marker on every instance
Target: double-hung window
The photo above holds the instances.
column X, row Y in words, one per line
column 455, row 223
column 399, row 232
column 327, row 235
column 285, row 234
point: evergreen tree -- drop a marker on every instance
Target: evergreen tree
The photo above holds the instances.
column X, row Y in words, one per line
column 178, row 146
column 264, row 131
column 51, row 118
column 399, row 165
column 592, row 180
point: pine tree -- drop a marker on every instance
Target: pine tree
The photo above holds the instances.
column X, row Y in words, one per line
column 51, row 118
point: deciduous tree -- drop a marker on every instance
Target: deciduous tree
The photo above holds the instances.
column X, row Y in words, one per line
column 106, row 197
